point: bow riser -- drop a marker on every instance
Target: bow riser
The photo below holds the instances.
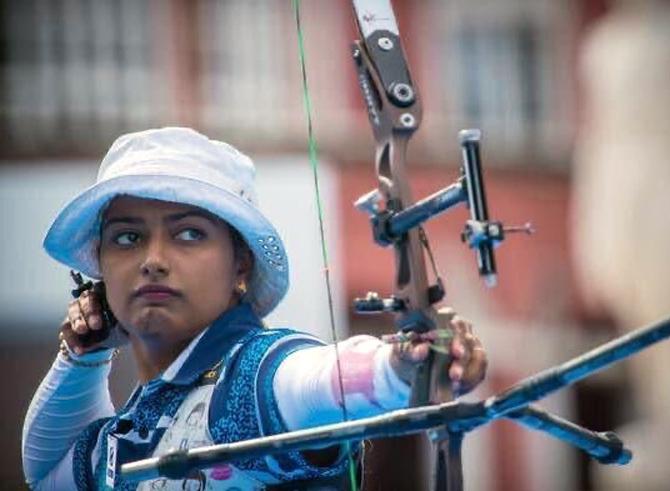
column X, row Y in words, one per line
column 383, row 75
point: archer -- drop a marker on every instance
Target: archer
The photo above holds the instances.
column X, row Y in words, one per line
column 190, row 267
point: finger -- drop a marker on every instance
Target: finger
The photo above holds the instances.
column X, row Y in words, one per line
column 460, row 325
column 456, row 371
column 64, row 325
column 461, row 349
column 419, row 352
column 95, row 321
column 463, row 335
column 80, row 344
column 83, row 312
column 91, row 310
column 476, row 370
column 76, row 318
column 459, row 364
column 413, row 352
column 71, row 338
column 458, row 342
column 457, row 348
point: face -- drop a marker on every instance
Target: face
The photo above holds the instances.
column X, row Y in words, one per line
column 169, row 269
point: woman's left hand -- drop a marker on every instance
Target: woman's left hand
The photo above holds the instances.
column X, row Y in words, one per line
column 468, row 357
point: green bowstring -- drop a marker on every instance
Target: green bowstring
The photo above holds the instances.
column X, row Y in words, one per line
column 314, row 162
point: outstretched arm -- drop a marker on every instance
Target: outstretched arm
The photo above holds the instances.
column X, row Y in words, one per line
column 307, row 387
column 375, row 376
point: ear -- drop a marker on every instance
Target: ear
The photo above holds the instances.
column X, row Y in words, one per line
column 245, row 263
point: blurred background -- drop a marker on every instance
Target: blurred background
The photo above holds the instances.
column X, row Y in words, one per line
column 574, row 103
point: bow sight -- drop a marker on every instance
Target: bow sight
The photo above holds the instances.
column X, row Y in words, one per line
column 394, row 110
column 480, row 233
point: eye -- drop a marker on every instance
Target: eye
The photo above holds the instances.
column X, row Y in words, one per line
column 190, row 234
column 126, row 238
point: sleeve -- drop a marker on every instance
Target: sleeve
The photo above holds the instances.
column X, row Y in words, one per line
column 60, row 477
column 307, row 383
column 69, row 398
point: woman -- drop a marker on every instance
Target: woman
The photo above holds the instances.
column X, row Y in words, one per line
column 190, row 267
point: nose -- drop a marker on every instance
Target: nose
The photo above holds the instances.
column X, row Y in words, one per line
column 155, row 264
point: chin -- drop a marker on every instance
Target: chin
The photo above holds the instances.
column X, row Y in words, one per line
column 152, row 321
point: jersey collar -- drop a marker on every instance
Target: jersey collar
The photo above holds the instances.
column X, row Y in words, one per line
column 210, row 346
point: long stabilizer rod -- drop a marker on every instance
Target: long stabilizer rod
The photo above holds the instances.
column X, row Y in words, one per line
column 460, row 415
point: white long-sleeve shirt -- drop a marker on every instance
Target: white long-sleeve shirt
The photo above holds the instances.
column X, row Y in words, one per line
column 305, row 385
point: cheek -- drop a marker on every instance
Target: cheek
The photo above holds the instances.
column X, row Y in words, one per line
column 114, row 274
column 214, row 279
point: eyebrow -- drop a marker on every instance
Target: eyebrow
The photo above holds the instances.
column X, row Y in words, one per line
column 112, row 221
column 174, row 217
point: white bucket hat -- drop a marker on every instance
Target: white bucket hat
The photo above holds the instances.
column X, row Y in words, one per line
column 178, row 165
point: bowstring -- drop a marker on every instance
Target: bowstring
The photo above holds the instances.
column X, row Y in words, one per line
column 314, row 163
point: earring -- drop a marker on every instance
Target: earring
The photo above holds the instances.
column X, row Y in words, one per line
column 241, row 287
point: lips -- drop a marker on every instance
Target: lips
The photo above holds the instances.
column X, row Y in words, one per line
column 155, row 293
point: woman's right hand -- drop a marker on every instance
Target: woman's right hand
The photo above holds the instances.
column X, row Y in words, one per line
column 84, row 329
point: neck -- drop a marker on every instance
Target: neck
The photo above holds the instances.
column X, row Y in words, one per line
column 154, row 357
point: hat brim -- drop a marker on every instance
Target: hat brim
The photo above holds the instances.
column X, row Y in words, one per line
column 74, row 235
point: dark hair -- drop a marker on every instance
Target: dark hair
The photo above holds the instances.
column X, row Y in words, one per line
column 240, row 246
